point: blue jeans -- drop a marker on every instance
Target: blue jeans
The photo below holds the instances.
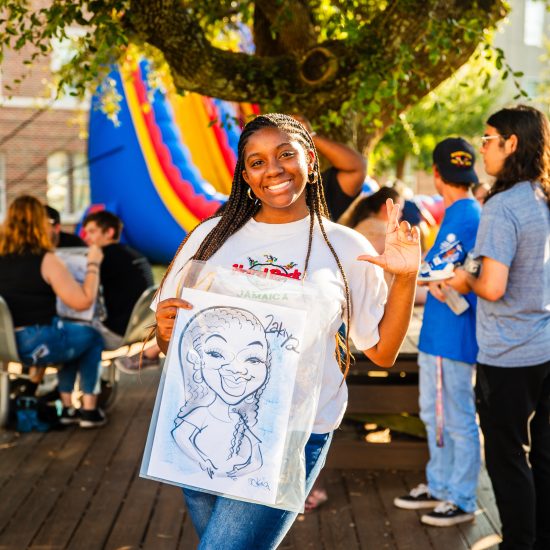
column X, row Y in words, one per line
column 227, row 524
column 452, row 471
column 78, row 347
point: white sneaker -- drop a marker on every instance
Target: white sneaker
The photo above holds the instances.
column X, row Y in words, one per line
column 418, row 498
column 446, row 514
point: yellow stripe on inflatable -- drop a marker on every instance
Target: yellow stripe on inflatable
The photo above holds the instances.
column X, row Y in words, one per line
column 172, row 202
column 192, row 120
column 247, row 111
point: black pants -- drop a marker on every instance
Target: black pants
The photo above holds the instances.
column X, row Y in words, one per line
column 514, row 413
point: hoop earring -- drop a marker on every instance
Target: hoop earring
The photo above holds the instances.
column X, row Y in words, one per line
column 249, row 193
column 312, row 178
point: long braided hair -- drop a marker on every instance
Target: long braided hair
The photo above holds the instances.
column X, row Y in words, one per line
column 240, row 208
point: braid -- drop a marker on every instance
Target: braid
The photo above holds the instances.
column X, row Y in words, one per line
column 319, row 208
column 238, row 433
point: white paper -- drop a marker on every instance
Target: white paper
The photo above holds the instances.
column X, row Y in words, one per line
column 223, row 414
column 76, row 260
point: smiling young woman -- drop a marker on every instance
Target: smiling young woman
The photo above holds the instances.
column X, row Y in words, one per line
column 277, row 209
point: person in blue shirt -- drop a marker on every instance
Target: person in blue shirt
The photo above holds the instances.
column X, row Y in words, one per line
column 448, row 349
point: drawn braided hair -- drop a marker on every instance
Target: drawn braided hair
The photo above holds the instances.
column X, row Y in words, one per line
column 240, row 208
column 249, row 417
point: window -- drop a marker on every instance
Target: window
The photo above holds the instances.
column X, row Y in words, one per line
column 81, row 183
column 533, row 25
column 58, row 181
column 3, row 205
column 68, row 184
column 63, row 51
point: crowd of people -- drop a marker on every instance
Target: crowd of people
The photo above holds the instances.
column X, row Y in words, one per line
column 487, row 321
column 484, row 346
column 32, row 280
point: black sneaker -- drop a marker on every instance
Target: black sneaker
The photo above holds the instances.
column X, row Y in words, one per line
column 69, row 416
column 418, row 498
column 446, row 514
column 94, row 418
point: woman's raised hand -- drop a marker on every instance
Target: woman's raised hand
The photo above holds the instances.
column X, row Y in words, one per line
column 166, row 316
column 402, row 246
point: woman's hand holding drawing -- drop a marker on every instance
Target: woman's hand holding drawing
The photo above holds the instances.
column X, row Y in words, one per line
column 166, row 319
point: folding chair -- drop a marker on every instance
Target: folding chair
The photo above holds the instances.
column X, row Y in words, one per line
column 8, row 354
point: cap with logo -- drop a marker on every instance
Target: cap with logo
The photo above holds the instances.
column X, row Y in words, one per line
column 455, row 159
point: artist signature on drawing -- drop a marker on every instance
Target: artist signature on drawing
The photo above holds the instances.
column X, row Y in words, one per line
column 258, row 483
column 289, row 342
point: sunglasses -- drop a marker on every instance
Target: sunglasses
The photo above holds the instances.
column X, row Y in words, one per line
column 485, row 139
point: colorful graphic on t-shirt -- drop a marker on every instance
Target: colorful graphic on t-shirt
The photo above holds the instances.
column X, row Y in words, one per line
column 271, row 265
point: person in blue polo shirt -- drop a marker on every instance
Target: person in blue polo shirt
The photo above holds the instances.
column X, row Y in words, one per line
column 448, row 350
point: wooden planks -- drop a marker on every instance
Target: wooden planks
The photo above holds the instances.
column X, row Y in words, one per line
column 72, row 507
column 80, row 489
column 382, row 399
column 402, row 455
column 377, row 390
column 166, row 521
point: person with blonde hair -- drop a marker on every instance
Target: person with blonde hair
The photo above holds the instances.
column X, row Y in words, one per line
column 32, row 277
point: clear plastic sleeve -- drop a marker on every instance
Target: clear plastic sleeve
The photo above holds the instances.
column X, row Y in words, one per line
column 240, row 387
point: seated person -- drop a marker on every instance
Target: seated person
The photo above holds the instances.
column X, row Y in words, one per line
column 59, row 238
column 124, row 274
column 31, row 278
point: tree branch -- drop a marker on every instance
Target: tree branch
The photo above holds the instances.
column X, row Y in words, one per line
column 284, row 27
column 322, row 76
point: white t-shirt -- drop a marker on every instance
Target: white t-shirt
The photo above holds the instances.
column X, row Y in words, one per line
column 283, row 248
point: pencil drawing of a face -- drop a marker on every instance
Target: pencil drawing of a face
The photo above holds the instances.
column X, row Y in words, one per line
column 229, row 354
column 233, row 364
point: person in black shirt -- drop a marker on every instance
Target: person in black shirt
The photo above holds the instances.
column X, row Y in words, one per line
column 60, row 239
column 124, row 274
column 343, row 181
column 32, row 277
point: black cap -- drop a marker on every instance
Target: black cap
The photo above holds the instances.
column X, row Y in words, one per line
column 52, row 214
column 455, row 159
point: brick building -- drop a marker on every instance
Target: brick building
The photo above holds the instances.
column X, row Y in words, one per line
column 42, row 142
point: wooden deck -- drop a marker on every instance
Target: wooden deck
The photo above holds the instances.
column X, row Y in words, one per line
column 80, row 490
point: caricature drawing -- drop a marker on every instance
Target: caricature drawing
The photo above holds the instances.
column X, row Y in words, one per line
column 226, row 360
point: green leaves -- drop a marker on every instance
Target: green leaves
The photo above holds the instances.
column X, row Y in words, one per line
column 389, row 53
